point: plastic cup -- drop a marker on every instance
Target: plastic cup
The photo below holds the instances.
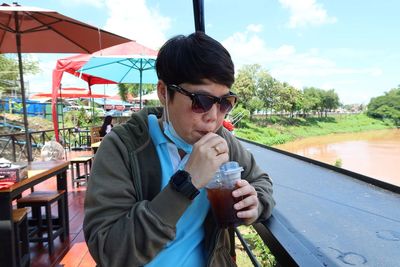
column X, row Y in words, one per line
column 219, row 193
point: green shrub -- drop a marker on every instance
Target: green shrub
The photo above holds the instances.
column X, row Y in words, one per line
column 257, row 246
column 338, row 163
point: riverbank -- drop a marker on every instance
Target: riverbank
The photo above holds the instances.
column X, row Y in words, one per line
column 276, row 130
column 11, row 123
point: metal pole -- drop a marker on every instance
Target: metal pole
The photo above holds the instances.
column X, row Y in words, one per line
column 21, row 78
column 198, row 11
column 140, row 83
column 104, row 99
column 62, row 118
column 247, row 249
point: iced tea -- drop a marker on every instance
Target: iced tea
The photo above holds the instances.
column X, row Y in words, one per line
column 222, row 202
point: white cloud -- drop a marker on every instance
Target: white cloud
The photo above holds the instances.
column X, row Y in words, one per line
column 134, row 20
column 245, row 49
column 285, row 51
column 255, row 28
column 306, row 12
column 316, row 71
column 285, row 61
column 94, row 3
column 301, row 68
column 42, row 82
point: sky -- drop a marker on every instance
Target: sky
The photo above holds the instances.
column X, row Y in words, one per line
column 351, row 46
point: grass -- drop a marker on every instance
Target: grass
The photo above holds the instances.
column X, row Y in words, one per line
column 257, row 246
column 279, row 130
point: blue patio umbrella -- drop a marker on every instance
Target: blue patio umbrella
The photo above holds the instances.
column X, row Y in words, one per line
column 123, row 69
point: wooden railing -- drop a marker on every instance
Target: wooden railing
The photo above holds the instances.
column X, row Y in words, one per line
column 13, row 146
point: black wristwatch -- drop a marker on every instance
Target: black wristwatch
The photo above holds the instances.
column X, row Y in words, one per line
column 182, row 182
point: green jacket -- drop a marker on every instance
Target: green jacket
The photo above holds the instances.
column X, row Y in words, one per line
column 129, row 219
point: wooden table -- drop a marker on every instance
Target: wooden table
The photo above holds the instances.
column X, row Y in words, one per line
column 95, row 146
column 37, row 173
column 77, row 178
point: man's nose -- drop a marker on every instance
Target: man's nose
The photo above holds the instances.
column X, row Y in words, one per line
column 212, row 114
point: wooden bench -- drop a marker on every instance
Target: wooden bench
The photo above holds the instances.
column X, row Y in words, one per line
column 52, row 227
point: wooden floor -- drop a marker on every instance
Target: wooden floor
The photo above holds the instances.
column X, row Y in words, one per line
column 72, row 252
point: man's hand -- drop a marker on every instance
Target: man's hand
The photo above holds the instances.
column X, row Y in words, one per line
column 248, row 207
column 210, row 152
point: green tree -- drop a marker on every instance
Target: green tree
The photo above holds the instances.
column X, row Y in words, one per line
column 293, row 99
column 9, row 73
column 386, row 106
column 133, row 88
column 268, row 90
column 254, row 104
column 312, row 99
column 290, row 99
column 245, row 85
column 330, row 100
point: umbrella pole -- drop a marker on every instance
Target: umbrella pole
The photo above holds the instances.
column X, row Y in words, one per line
column 92, row 103
column 63, row 125
column 92, row 100
column 104, row 93
column 21, row 78
column 140, row 83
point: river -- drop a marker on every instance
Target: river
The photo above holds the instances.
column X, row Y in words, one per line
column 373, row 153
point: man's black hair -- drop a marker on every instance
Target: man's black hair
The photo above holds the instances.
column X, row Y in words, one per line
column 192, row 58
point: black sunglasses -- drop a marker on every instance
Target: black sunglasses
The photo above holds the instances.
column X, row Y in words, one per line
column 202, row 103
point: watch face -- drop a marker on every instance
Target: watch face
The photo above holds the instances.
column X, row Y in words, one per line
column 181, row 183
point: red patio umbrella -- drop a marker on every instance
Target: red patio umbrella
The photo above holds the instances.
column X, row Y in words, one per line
column 36, row 30
column 75, row 63
column 71, row 65
column 71, row 93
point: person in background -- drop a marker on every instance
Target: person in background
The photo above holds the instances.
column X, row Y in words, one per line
column 146, row 203
column 107, row 126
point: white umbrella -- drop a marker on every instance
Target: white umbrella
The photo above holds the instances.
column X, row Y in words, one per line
column 152, row 96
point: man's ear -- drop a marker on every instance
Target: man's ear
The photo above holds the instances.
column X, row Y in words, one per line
column 161, row 90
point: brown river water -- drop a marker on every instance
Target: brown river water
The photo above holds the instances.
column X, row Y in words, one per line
column 373, row 153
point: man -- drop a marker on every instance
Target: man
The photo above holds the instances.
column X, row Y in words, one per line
column 146, row 203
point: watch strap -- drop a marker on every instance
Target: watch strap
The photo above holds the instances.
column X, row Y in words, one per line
column 181, row 181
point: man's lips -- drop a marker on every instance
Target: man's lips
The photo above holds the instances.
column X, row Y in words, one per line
column 203, row 132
